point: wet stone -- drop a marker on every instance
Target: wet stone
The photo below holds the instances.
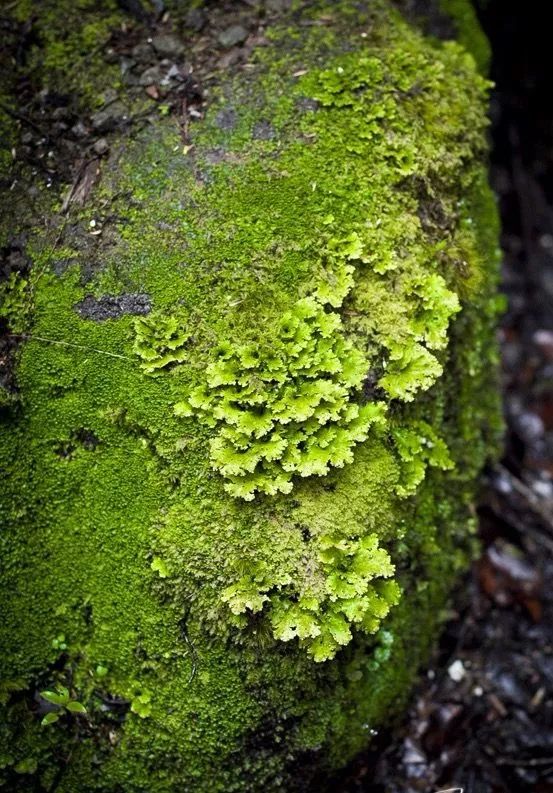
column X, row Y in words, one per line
column 150, row 76
column 195, row 19
column 110, row 96
column 107, row 119
column 277, row 5
column 143, row 53
column 113, row 306
column 505, row 683
column 231, row 36
column 168, row 45
column 101, row 147
column 79, row 130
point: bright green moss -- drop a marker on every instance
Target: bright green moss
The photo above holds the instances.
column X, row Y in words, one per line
column 331, row 285
column 283, row 407
column 160, row 342
column 15, row 296
column 469, row 32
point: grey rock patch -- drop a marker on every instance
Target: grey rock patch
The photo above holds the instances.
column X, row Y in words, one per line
column 150, row 76
column 79, row 130
column 307, row 105
column 230, row 58
column 142, row 53
column 106, row 119
column 231, row 36
column 277, row 5
column 226, row 119
column 263, row 130
column 214, row 156
column 109, row 96
column 101, row 147
column 195, row 19
column 126, row 65
column 113, row 306
column 168, row 45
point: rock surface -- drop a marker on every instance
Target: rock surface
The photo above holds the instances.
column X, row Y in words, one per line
column 240, row 576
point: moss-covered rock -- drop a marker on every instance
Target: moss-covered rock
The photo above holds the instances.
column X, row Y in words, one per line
column 243, row 457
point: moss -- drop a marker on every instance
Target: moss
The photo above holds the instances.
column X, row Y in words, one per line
column 204, row 612
column 67, row 44
column 469, row 33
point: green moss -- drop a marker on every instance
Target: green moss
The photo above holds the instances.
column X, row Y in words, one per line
column 469, row 32
column 205, row 612
column 15, row 293
column 67, row 47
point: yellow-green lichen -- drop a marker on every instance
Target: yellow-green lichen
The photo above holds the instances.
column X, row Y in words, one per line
column 283, row 407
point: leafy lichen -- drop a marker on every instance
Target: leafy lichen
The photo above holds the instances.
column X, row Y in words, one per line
column 283, row 407
column 160, row 342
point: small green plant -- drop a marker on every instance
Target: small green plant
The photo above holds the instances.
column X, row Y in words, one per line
column 64, row 704
column 340, row 86
column 354, row 589
column 418, row 446
column 141, row 705
column 160, row 341
column 410, row 368
column 382, row 651
column 28, row 765
column 15, row 297
column 59, row 643
column 159, row 566
column 286, row 407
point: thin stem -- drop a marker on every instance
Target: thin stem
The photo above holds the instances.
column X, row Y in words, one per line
column 28, row 337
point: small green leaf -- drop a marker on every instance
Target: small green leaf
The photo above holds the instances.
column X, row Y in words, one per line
column 141, row 705
column 75, row 707
column 50, row 718
column 60, row 697
column 27, row 766
column 182, row 409
column 159, row 566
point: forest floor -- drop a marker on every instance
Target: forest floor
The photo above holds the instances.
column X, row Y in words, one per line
column 481, row 718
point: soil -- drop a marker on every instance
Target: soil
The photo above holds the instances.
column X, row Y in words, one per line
column 481, row 718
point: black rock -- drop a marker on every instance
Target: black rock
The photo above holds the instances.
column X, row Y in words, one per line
column 113, row 306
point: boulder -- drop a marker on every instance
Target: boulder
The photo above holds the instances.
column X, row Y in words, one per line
column 234, row 511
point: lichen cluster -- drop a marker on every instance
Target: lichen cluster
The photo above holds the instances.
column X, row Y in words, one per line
column 160, row 341
column 323, row 305
column 284, row 407
column 346, row 596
